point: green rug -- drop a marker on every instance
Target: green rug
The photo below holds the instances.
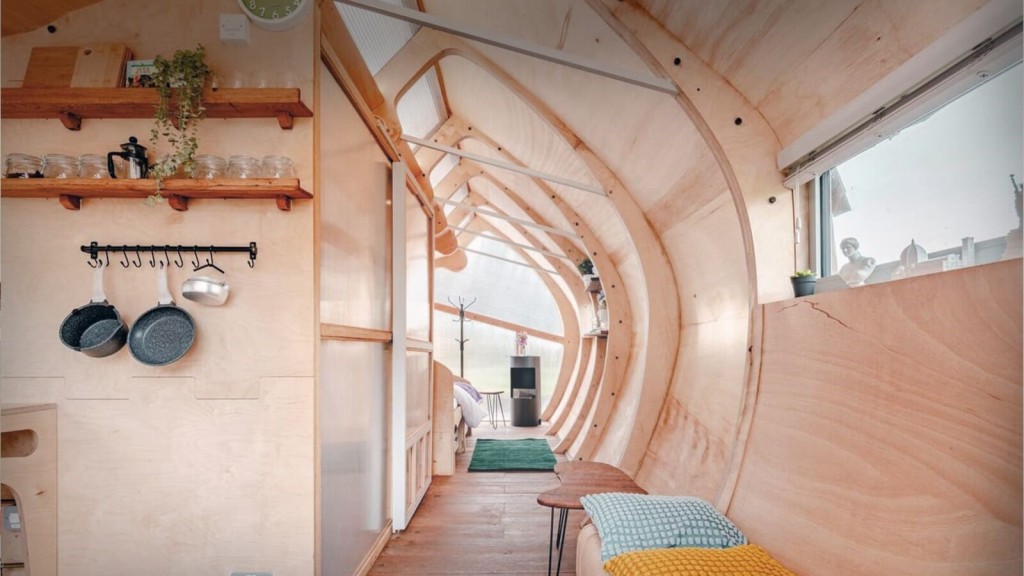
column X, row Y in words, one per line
column 503, row 455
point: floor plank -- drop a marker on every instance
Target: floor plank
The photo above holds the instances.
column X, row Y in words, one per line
column 481, row 522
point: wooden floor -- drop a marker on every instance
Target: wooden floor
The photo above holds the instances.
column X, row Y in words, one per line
column 481, row 522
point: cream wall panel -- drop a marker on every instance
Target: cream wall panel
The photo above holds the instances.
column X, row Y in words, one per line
column 418, row 372
column 419, row 231
column 354, row 241
column 890, row 410
column 353, row 432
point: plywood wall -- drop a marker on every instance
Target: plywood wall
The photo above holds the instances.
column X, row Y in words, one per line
column 886, row 435
column 205, row 465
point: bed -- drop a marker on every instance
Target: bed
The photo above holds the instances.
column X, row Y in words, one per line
column 457, row 408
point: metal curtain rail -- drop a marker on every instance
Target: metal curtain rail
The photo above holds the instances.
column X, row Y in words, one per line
column 905, row 101
column 593, row 189
column 483, row 212
column 509, row 260
column 516, row 45
column 511, row 243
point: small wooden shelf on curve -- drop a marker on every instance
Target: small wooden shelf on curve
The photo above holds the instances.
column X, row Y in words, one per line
column 177, row 191
column 71, row 105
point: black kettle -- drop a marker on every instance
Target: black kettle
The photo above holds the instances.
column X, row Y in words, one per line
column 134, row 161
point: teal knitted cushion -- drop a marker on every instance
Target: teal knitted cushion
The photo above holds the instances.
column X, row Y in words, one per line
column 628, row 522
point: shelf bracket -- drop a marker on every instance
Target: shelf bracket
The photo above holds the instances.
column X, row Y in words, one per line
column 284, row 203
column 179, row 203
column 285, row 120
column 70, row 202
column 70, row 120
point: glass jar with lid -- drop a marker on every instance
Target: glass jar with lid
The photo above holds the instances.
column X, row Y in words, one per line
column 60, row 166
column 93, row 166
column 19, row 165
column 243, row 167
column 209, row 167
column 278, row 167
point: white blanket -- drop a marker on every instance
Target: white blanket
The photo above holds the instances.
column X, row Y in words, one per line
column 472, row 412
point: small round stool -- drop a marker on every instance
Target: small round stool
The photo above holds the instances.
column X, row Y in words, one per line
column 494, row 405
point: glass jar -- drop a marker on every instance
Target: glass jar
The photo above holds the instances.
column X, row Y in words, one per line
column 60, row 166
column 23, row 166
column 93, row 166
column 209, row 167
column 278, row 167
column 243, row 167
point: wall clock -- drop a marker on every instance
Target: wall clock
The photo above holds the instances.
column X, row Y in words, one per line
column 276, row 15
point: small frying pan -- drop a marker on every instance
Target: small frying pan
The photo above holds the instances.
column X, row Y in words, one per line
column 163, row 334
column 205, row 290
column 95, row 329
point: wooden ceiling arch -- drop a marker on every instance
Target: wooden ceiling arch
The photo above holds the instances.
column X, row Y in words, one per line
column 653, row 367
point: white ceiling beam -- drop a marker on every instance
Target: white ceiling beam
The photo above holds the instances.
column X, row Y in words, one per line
column 506, row 165
column 516, row 45
column 510, row 243
column 509, row 260
column 490, row 214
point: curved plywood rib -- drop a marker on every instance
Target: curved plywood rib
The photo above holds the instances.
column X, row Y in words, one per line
column 567, row 300
column 648, row 367
column 618, row 304
column 604, row 401
column 886, row 438
column 581, row 407
column 564, row 405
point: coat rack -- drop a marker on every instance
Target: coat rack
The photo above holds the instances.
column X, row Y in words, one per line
column 172, row 254
column 462, row 306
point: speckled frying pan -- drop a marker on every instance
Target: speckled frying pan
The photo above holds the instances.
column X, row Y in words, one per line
column 95, row 329
column 163, row 334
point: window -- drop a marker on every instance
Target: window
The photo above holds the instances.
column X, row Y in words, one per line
column 941, row 194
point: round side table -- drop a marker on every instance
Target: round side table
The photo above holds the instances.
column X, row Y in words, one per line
column 494, row 405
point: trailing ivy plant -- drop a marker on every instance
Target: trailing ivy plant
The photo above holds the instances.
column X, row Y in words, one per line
column 179, row 83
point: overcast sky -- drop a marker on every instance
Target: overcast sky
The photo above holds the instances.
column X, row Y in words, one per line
column 941, row 179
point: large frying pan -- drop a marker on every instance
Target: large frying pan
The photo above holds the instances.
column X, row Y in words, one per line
column 163, row 334
column 95, row 329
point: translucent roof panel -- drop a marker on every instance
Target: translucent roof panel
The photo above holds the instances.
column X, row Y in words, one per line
column 503, row 290
column 458, row 196
column 421, row 110
column 443, row 168
column 377, row 37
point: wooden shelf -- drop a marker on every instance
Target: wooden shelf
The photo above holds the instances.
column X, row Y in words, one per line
column 70, row 191
column 71, row 105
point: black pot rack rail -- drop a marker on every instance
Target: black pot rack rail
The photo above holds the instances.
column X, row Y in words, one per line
column 164, row 255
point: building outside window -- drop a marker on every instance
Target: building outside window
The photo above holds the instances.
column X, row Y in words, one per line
column 941, row 194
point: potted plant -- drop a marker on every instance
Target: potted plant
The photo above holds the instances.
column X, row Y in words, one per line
column 803, row 282
column 179, row 83
column 590, row 279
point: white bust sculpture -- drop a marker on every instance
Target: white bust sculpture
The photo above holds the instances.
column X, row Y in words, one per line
column 857, row 270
